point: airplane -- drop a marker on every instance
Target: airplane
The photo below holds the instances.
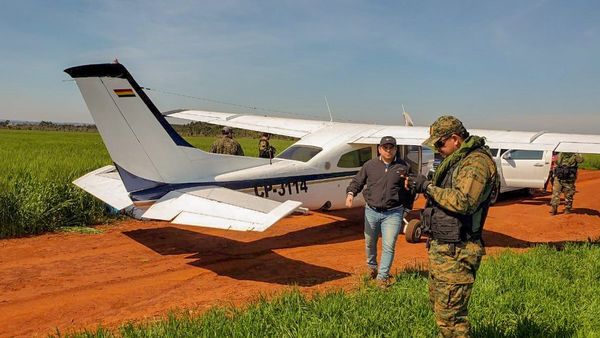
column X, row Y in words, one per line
column 158, row 175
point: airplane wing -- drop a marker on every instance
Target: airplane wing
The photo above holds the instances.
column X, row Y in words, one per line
column 218, row 207
column 404, row 135
column 504, row 139
column 273, row 125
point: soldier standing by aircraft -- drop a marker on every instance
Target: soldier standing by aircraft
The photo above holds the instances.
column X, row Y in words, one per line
column 226, row 144
column 385, row 177
column 458, row 198
column 565, row 174
column 265, row 150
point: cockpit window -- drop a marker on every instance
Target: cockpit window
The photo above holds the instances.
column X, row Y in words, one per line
column 355, row 158
column 300, row 153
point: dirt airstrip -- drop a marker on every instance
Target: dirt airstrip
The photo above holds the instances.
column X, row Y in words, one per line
column 141, row 270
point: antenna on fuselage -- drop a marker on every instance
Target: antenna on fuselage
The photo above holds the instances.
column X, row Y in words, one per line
column 407, row 120
column 328, row 109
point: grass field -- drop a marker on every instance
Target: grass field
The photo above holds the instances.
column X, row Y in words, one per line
column 546, row 292
column 36, row 171
column 591, row 161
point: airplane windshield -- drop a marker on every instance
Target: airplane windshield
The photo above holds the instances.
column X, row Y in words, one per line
column 300, row 153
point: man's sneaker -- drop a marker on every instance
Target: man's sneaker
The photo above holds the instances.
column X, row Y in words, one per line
column 383, row 283
column 372, row 273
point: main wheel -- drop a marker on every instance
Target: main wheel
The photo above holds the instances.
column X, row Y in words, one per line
column 495, row 194
column 413, row 231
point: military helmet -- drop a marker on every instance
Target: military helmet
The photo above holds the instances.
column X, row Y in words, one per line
column 444, row 126
column 226, row 131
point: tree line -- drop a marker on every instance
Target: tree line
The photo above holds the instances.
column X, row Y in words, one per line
column 190, row 129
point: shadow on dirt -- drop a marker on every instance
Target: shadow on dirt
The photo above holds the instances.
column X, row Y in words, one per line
column 255, row 260
column 496, row 239
column 585, row 211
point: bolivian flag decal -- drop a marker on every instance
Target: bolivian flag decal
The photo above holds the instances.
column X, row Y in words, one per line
column 124, row 92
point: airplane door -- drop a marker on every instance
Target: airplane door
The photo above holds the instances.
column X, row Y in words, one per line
column 414, row 158
column 524, row 168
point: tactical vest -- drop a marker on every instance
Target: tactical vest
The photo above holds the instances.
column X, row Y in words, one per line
column 449, row 227
column 565, row 173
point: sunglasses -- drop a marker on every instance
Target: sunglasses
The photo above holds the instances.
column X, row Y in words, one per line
column 388, row 146
column 441, row 142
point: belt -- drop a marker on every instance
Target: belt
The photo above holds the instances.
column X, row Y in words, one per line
column 384, row 209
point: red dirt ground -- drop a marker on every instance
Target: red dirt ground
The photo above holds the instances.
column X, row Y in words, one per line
column 141, row 270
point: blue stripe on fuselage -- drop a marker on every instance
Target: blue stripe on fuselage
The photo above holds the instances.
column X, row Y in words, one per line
column 158, row 192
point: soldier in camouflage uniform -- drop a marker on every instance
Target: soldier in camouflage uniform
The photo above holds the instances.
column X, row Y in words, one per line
column 565, row 174
column 226, row 144
column 458, row 198
column 265, row 149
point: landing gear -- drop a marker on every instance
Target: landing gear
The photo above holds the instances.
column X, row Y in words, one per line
column 495, row 193
column 413, row 231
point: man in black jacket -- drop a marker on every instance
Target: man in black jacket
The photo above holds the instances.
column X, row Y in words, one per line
column 385, row 178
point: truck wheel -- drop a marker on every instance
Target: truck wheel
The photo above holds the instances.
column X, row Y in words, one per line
column 413, row 230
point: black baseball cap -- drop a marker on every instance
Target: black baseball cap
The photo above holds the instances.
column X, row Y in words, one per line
column 387, row 140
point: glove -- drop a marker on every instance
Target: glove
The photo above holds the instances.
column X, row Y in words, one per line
column 419, row 184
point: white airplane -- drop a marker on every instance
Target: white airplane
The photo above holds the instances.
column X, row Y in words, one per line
column 158, row 175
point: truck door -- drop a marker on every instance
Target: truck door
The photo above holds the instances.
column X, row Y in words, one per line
column 524, row 168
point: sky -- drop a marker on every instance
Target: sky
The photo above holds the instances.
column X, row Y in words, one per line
column 518, row 65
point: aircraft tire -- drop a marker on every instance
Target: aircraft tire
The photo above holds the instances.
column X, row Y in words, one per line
column 495, row 194
column 413, row 231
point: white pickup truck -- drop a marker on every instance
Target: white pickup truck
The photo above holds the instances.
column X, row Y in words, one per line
column 518, row 169
column 522, row 169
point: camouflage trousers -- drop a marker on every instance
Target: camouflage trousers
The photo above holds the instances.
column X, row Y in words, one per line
column 452, row 270
column 565, row 187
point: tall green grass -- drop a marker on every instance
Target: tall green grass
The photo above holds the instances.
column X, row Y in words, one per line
column 590, row 161
column 542, row 293
column 36, row 171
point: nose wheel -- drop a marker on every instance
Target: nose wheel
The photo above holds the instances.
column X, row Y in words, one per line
column 413, row 231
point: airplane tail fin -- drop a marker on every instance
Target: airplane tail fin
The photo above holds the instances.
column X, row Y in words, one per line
column 145, row 148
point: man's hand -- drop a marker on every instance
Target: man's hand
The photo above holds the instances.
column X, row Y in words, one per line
column 419, row 184
column 349, row 200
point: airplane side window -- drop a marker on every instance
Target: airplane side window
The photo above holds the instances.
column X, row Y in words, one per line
column 355, row 158
column 527, row 154
column 300, row 153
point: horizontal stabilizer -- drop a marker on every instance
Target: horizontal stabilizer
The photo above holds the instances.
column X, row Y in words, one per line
column 105, row 183
column 218, row 207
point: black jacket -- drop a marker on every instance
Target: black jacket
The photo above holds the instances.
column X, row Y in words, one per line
column 385, row 188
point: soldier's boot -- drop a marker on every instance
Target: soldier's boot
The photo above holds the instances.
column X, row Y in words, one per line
column 553, row 210
column 567, row 210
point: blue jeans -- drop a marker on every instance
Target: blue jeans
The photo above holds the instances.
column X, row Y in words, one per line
column 388, row 225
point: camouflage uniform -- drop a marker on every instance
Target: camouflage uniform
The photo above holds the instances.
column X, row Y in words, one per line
column 227, row 145
column 265, row 150
column 565, row 185
column 458, row 198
